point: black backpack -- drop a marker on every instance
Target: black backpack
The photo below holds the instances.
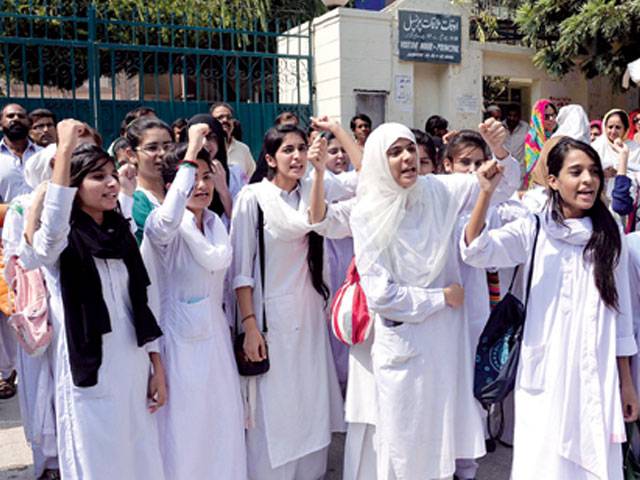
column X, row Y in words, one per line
column 498, row 349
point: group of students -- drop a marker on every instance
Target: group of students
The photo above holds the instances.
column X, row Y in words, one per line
column 154, row 264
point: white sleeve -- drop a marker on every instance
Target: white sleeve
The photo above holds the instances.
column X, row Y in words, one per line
column 336, row 221
column 51, row 238
column 399, row 303
column 163, row 223
column 503, row 247
column 625, row 339
column 126, row 208
column 244, row 239
column 464, row 188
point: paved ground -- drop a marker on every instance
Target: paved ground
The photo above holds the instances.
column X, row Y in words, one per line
column 15, row 456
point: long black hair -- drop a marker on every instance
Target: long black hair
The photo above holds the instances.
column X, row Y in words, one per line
column 605, row 244
column 315, row 255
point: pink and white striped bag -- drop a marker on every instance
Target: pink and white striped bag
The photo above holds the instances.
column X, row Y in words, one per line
column 30, row 322
column 350, row 318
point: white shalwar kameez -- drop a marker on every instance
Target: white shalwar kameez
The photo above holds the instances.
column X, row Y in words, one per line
column 202, row 425
column 36, row 385
column 427, row 416
column 569, row 422
column 298, row 402
column 104, row 431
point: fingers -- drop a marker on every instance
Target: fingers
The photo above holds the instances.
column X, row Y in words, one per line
column 447, row 136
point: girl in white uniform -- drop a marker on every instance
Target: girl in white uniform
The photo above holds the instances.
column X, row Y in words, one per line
column 36, row 386
column 298, row 402
column 109, row 378
column 573, row 374
column 402, row 226
column 149, row 138
column 202, row 428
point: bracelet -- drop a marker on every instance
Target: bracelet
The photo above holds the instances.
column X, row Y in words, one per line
column 248, row 317
column 190, row 163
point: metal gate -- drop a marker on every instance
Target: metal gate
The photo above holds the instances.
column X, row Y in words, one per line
column 78, row 62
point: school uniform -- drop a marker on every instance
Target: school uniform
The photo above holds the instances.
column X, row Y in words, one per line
column 297, row 403
column 104, row 429
column 427, row 416
column 568, row 421
column 202, row 425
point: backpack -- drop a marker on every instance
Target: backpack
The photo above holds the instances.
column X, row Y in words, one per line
column 498, row 350
column 30, row 320
column 350, row 318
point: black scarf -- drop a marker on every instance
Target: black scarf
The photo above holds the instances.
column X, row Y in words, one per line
column 85, row 312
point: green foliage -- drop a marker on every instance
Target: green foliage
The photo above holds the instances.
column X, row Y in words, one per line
column 598, row 37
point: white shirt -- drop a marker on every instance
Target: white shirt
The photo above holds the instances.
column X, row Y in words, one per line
column 12, row 181
column 238, row 153
column 567, row 389
column 514, row 142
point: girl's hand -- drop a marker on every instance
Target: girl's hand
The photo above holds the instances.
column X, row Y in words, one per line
column 324, row 124
column 69, row 132
column 197, row 137
column 629, row 402
column 454, row 295
column 317, row 154
column 157, row 388
column 495, row 134
column 127, row 175
column 219, row 176
column 610, row 172
column 448, row 136
column 255, row 347
column 620, row 147
column 489, row 175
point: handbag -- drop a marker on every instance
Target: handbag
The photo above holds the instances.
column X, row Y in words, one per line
column 350, row 318
column 30, row 322
column 498, row 349
column 246, row 367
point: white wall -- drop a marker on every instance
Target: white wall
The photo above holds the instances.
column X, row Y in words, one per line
column 358, row 50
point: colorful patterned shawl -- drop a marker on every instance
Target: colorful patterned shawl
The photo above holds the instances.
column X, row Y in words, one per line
column 535, row 139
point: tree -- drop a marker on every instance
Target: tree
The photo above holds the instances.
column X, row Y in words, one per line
column 598, row 37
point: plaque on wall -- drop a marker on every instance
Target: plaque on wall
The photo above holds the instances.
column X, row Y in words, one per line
column 429, row 37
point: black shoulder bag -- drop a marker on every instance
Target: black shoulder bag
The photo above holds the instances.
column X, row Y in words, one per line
column 246, row 367
column 498, row 349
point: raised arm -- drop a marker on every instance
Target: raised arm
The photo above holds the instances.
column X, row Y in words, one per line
column 318, row 156
column 51, row 238
column 346, row 140
column 163, row 224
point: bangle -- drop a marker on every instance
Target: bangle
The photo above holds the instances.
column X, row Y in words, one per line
column 190, row 163
column 248, row 317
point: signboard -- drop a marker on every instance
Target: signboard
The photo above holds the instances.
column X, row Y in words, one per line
column 429, row 37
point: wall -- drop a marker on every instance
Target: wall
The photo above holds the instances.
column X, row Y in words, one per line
column 357, row 50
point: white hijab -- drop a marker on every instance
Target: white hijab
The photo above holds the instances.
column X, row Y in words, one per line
column 608, row 155
column 406, row 230
column 37, row 168
column 573, row 122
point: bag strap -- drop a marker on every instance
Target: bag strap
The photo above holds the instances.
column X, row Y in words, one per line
column 260, row 226
column 533, row 258
column 513, row 278
column 265, row 328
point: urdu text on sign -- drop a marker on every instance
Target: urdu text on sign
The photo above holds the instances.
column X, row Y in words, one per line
column 429, row 37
